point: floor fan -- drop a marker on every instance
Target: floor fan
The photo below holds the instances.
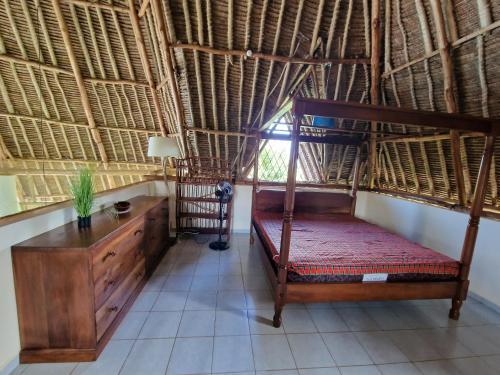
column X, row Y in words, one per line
column 224, row 192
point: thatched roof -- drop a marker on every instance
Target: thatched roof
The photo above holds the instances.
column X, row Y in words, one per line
column 85, row 80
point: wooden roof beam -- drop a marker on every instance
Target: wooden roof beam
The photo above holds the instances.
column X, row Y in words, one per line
column 449, row 96
column 79, row 80
column 270, row 57
column 328, row 139
column 142, row 9
column 369, row 112
column 139, row 40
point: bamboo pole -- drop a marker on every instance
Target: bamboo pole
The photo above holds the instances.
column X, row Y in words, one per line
column 249, row 54
column 375, row 85
column 139, row 40
column 255, row 186
column 79, row 80
column 172, row 81
column 449, row 96
column 355, row 181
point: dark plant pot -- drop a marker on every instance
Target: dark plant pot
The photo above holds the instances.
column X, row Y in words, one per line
column 84, row 222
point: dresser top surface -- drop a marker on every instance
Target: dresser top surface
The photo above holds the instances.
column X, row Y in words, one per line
column 103, row 224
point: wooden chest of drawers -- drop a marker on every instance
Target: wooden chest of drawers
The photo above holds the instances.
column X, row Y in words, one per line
column 73, row 287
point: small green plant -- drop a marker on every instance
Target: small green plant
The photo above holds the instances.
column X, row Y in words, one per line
column 82, row 190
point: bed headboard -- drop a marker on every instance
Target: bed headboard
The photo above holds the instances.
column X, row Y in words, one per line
column 316, row 202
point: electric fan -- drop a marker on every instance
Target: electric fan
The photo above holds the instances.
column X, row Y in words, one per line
column 224, row 192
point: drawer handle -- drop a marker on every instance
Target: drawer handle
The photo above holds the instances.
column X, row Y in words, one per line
column 108, row 254
column 113, row 309
column 138, row 231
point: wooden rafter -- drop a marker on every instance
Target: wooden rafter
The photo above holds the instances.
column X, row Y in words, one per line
column 139, row 40
column 79, row 80
column 172, row 81
column 271, row 57
column 449, row 96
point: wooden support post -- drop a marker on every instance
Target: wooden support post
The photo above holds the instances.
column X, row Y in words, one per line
column 375, row 86
column 79, row 80
column 139, row 40
column 355, row 181
column 286, row 233
column 172, row 82
column 449, row 96
column 473, row 227
column 255, row 185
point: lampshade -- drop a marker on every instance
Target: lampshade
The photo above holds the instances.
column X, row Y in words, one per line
column 163, row 147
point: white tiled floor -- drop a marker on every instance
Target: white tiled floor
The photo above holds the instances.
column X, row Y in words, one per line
column 207, row 312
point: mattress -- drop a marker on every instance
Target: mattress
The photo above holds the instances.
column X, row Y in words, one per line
column 343, row 248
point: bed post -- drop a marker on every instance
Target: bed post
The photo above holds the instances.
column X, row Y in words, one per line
column 473, row 227
column 286, row 232
column 355, row 181
column 254, row 185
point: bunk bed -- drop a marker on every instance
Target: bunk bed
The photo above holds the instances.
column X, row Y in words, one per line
column 315, row 249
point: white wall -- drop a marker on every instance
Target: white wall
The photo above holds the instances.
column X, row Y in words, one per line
column 442, row 230
column 8, row 196
column 22, row 230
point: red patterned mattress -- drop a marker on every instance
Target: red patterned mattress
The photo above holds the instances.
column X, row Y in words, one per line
column 344, row 246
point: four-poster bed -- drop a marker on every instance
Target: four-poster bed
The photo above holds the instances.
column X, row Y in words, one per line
column 333, row 256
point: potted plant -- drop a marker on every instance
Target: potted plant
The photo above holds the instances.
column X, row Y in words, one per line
column 82, row 190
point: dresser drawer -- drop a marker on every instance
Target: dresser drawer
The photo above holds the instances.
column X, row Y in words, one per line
column 111, row 251
column 106, row 283
column 112, row 307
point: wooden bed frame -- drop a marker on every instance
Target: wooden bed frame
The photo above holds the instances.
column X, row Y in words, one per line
column 290, row 202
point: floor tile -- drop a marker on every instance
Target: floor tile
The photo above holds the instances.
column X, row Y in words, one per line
column 309, row 350
column 439, row 367
column 148, row 357
column 197, row 323
column 493, row 362
column 259, row 299
column 161, row 325
column 191, row 356
column 385, row 318
column 475, row 341
column 272, row 352
column 298, row 321
column 278, row 372
column 474, row 366
column 207, row 269
column 445, row 341
column 380, row 348
column 205, row 283
column 131, row 325
column 145, row 301
column 320, row 371
column 155, row 283
column 201, row 300
column 228, row 299
column 328, row 320
column 358, row 320
column 230, row 268
column 398, row 369
column 232, row 353
column 256, row 282
column 231, row 322
column 176, row 283
column 346, row 349
column 230, row 282
column 413, row 346
column 170, row 301
column 49, row 369
column 109, row 362
column 261, row 323
column 360, row 370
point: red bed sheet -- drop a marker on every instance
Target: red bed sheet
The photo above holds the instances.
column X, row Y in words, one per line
column 344, row 245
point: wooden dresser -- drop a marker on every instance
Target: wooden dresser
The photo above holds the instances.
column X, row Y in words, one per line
column 73, row 287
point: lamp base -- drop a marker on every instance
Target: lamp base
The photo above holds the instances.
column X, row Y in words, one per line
column 219, row 245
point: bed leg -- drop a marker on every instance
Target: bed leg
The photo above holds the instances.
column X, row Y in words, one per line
column 277, row 317
column 252, row 239
column 456, row 304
